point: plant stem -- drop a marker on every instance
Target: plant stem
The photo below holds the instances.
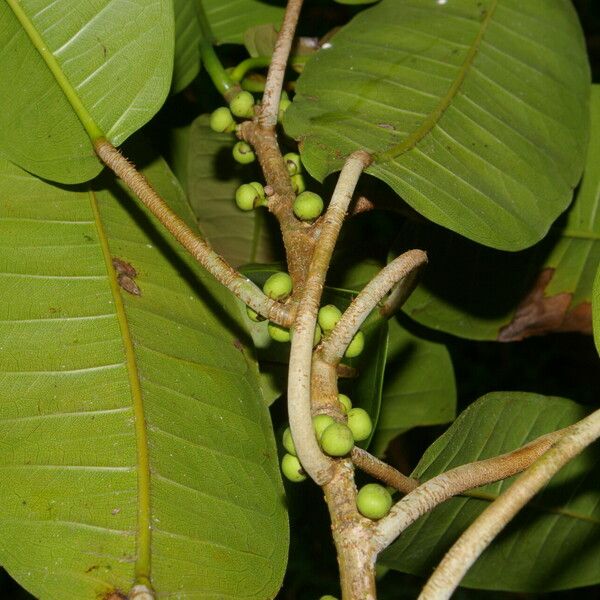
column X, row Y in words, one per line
column 492, row 521
column 401, row 268
column 314, row 462
column 217, row 73
column 382, row 471
column 267, row 117
column 239, row 285
column 456, row 481
column 351, row 535
column 259, row 62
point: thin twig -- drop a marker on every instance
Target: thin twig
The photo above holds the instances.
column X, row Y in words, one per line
column 239, row 285
column 314, row 462
column 267, row 117
column 403, row 266
column 492, row 521
column 456, row 481
column 382, row 471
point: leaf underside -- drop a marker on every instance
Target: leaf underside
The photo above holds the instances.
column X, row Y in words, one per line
column 96, row 357
column 475, row 112
column 116, row 54
column 552, row 544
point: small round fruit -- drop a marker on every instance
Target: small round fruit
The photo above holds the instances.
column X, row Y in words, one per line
column 284, row 104
column 243, row 153
column 253, row 315
column 373, row 501
column 328, row 597
column 345, row 402
column 259, row 188
column 221, row 120
column 242, row 105
column 247, row 197
column 278, row 286
column 360, row 423
column 308, row 206
column 320, row 423
column 278, row 333
column 318, row 335
column 356, row 346
column 337, row 439
column 292, row 469
column 288, row 441
column 328, row 317
column 292, row 162
column 298, row 183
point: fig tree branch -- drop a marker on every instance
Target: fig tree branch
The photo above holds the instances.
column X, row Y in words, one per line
column 402, row 267
column 382, row 471
column 456, row 481
column 314, row 462
column 269, row 109
column 239, row 285
column 492, row 521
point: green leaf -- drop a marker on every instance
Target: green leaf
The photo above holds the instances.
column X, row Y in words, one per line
column 552, row 543
column 475, row 111
column 418, row 386
column 134, row 434
column 228, row 21
column 115, row 57
column 212, row 179
column 260, row 40
column 478, row 293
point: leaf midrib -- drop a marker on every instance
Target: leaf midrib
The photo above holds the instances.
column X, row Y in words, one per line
column 436, row 114
column 144, row 523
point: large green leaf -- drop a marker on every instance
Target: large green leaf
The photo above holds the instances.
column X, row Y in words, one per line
column 117, row 56
column 133, row 429
column 228, row 21
column 475, row 292
column 553, row 543
column 475, row 110
column 418, row 386
column 212, row 177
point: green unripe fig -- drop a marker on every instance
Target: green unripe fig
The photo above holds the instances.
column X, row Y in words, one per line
column 247, row 197
column 373, row 501
column 292, row 469
column 320, row 423
column 278, row 333
column 345, row 402
column 284, row 104
column 278, row 286
column 253, row 315
column 360, row 423
column 356, row 346
column 292, row 162
column 308, row 206
column 242, row 105
column 243, row 153
column 298, row 183
column 221, row 120
column 259, row 188
column 328, row 597
column 337, row 439
column 288, row 441
column 317, row 336
column 328, row 317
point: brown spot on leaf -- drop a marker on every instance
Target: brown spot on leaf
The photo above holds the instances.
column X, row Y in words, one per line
column 122, row 267
column 125, row 276
column 386, row 126
column 539, row 314
column 238, row 345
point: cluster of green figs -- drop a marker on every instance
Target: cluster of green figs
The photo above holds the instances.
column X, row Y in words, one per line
column 308, row 206
column 279, row 287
